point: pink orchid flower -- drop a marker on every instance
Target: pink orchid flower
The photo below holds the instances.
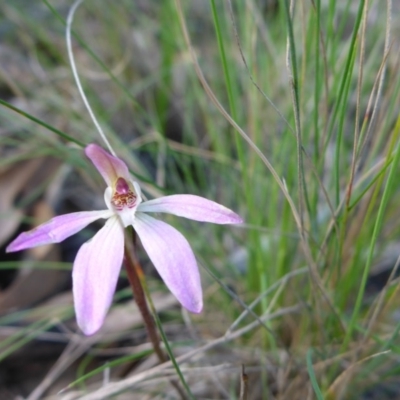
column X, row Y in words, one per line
column 98, row 262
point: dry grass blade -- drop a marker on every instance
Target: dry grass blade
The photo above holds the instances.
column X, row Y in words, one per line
column 123, row 385
column 298, row 219
column 226, row 115
column 335, row 390
column 120, row 319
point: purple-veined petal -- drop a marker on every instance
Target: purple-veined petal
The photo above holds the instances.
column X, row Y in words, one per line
column 95, row 274
column 111, row 168
column 173, row 258
column 56, row 230
column 192, row 207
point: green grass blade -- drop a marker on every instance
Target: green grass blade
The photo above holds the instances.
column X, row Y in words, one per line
column 393, row 173
column 311, row 374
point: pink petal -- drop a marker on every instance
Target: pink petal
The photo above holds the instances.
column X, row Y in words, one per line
column 95, row 274
column 173, row 258
column 56, row 230
column 192, row 207
column 111, row 168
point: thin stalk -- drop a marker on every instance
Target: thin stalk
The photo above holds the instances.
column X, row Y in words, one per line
column 228, row 83
column 316, row 113
column 132, row 272
column 357, row 118
column 311, row 374
column 330, row 31
column 338, row 148
column 338, row 162
column 168, row 51
column 347, row 72
column 70, row 18
column 41, row 123
column 257, row 278
column 317, row 92
column 164, row 337
column 103, row 66
column 137, row 282
column 293, row 71
column 377, row 227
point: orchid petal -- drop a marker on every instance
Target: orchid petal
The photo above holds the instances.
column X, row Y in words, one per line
column 111, row 168
column 173, row 258
column 56, row 230
column 95, row 275
column 192, row 207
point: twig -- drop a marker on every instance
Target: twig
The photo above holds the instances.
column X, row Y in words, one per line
column 117, row 387
column 243, row 384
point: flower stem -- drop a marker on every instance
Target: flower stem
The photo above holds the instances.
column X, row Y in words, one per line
column 136, row 278
column 132, row 268
column 164, row 337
